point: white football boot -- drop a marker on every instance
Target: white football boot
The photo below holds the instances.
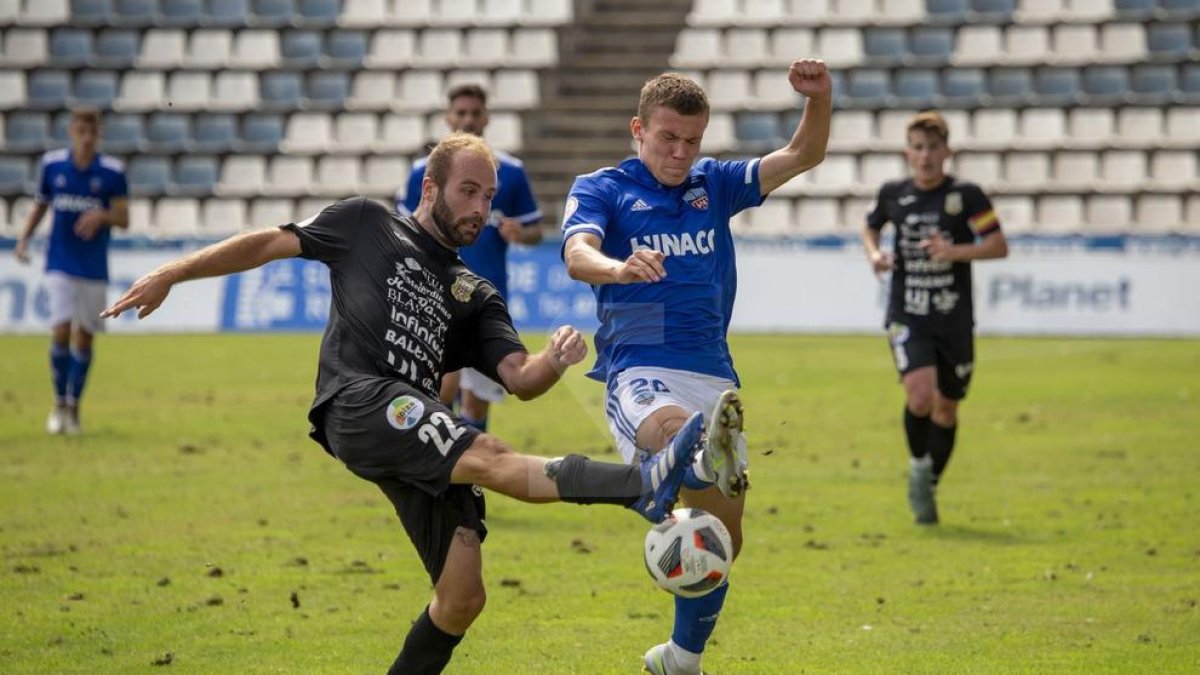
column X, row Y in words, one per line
column 660, row 661
column 723, row 459
column 56, row 422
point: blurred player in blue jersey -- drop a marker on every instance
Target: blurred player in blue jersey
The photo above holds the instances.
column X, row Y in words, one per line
column 514, row 219
column 942, row 224
column 652, row 238
column 88, row 194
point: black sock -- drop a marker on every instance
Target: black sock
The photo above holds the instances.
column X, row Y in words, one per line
column 917, row 430
column 582, row 481
column 941, row 444
column 427, row 649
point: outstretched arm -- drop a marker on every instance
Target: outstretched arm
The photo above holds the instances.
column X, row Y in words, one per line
column 529, row 376
column 807, row 147
column 587, row 263
column 236, row 254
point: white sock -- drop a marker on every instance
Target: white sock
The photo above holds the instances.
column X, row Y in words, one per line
column 700, row 468
column 922, row 462
column 685, row 661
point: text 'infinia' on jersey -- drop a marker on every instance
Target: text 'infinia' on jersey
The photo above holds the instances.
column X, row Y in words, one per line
column 703, row 243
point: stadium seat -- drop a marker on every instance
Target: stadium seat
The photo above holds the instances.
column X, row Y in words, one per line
column 271, row 212
column 181, row 13
column 1059, row 214
column 720, row 135
column 874, row 168
column 15, row 178
column 504, row 132
column 209, row 49
column 948, row 11
column 148, row 176
column 1183, row 126
column 117, row 48
column 534, row 47
column 1123, row 43
column 1189, row 84
column 162, row 48
column 195, row 176
column 242, row 175
column 515, row 90
column 1123, row 169
column 214, row 132
column 140, row 91
column 548, row 13
column 893, row 127
column 228, row 13
column 851, row 130
column 26, row 131
column 835, row 174
column 814, row 216
column 382, row 174
column 1175, row 169
column 1041, row 128
column 271, row 13
column 255, row 49
column 1139, row 127
column 984, row 168
column 1057, row 86
column 885, row 46
column 853, row 213
column 1158, row 214
column 1076, row 170
column 1040, row 11
column 176, row 217
column 1180, row 9
column 235, row 91
column 168, row 132
column 728, row 89
column 311, row 206
column 134, row 13
column 189, row 90
column 337, row 176
column 758, row 131
column 48, row 89
column 744, row 47
column 419, row 90
column 1088, row 10
column 1010, row 86
column 354, row 132
column 1105, row 85
column 1015, row 213
column 1075, row 43
column 787, row 42
column 438, row 47
column 289, row 176
column 1090, row 127
column 916, row 87
column 317, row 13
column 391, row 49
column 95, row 88
column 906, row 12
column 222, row 217
column 770, row 90
column 141, row 217
column 762, row 12
column 402, row 133
column 262, row 132
column 59, row 138
column 453, row 13
column 994, row 10
column 345, row 48
column 460, row 76
column 372, row 90
column 70, row 47
column 869, row 87
column 1152, row 83
column 840, row 46
column 773, row 218
column 713, row 13
column 1168, row 41
column 90, row 12
column 851, row 12
column 307, row 133
column 280, row 90
column 327, row 90
column 124, row 133
column 364, row 13
column 25, row 47
column 485, row 47
column 45, row 13
column 300, row 49
column 963, row 86
column 410, row 12
column 1025, row 45
column 932, row 44
column 500, row 13
column 1108, row 214
column 1030, row 170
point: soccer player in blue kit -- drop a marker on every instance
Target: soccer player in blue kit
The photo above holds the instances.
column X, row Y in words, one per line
column 89, row 196
column 514, row 219
column 652, row 237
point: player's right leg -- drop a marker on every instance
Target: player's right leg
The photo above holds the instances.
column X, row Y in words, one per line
column 61, row 301
column 915, row 358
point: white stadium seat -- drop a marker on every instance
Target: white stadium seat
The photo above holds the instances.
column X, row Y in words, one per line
column 209, row 49
column 818, row 215
column 504, row 132
column 383, row 174
column 363, row 13
column 744, row 46
column 402, row 133
column 548, row 12
column 980, row 44
column 1158, row 214
column 410, row 12
column 1042, row 127
column 439, row 47
column 289, row 176
column 1123, row 42
column 797, row 186
column 1088, row 10
column 713, row 13
column 1078, row 170
column 984, row 168
column 307, row 133
column 1027, row 169
column 1108, row 214
column 187, row 91
column 257, row 49
column 45, row 13
column 392, row 48
column 355, row 132
column 12, row 89
column 1090, row 127
column 500, row 13
column 854, row 212
column 772, row 91
column 762, row 12
column 875, row 169
column 534, row 47
column 697, row 47
column 774, row 216
column 719, row 136
column 893, row 127
column 372, row 90
column 1140, row 127
column 337, row 176
column 1039, row 11
column 994, row 127
column 1026, row 44
column 242, row 175
column 141, row 217
column 453, row 13
column 1175, row 169
column 271, row 213
column 485, row 47
column 1183, row 126
column 1191, row 218
column 235, row 90
column 851, row 130
column 140, row 91
column 1059, row 214
column 1015, row 213
column 162, row 48
column 901, row 11
column 25, row 47
column 856, row 12
column 728, row 89
column 176, row 217
column 223, row 217
column 789, row 43
column 514, row 90
column 419, row 90
column 1075, row 43
column 837, row 174
column 840, row 47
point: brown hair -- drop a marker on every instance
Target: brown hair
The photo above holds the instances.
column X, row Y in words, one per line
column 86, row 116
column 472, row 90
column 437, row 167
column 930, row 122
column 674, row 91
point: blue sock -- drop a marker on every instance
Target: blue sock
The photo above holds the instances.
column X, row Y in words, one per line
column 80, row 362
column 60, row 365
column 695, row 618
column 480, row 424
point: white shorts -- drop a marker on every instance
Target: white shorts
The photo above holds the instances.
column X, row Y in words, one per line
column 481, row 385
column 638, row 392
column 76, row 300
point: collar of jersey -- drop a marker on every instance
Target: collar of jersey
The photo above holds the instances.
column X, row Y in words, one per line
column 71, row 161
column 410, row 223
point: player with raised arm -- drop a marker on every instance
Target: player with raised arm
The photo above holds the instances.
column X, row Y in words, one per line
column 88, row 194
column 405, row 310
column 652, row 237
column 942, row 224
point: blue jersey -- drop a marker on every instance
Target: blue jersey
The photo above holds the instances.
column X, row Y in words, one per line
column 679, row 322
column 70, row 192
column 514, row 199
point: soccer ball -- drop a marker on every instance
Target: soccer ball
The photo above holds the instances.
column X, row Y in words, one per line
column 689, row 553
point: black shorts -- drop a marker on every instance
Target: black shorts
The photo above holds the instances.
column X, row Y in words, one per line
column 950, row 348
column 393, row 435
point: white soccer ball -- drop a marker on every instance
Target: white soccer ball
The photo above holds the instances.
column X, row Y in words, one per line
column 689, row 553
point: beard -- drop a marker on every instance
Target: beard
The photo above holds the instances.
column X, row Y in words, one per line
column 452, row 230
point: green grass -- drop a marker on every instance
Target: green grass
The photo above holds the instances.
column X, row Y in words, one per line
column 1070, row 539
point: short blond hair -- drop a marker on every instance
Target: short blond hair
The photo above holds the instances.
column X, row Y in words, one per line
column 674, row 91
column 86, row 115
column 437, row 167
column 930, row 122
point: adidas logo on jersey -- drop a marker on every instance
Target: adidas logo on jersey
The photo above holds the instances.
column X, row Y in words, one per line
column 640, row 205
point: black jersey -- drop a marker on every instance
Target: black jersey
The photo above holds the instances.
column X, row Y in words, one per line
column 924, row 290
column 403, row 306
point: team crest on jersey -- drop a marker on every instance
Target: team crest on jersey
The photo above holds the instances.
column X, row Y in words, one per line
column 570, row 208
column 404, row 412
column 463, row 287
column 954, row 203
column 60, row 181
column 897, row 333
column 697, row 197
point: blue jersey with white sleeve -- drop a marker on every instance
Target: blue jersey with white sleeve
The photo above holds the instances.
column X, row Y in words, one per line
column 513, row 199
column 70, row 191
column 679, row 322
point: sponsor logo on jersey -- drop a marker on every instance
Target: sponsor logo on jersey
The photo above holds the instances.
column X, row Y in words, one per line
column 698, row 198
column 463, row 287
column 640, row 205
column 684, row 243
column 404, row 412
column 954, row 204
column 906, row 200
column 76, row 203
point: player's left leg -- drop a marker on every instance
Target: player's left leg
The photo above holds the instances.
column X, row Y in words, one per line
column 90, row 300
column 956, row 365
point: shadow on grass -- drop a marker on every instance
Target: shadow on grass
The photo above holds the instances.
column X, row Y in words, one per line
column 974, row 533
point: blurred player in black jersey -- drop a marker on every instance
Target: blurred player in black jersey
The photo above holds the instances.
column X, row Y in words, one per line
column 942, row 224
column 405, row 310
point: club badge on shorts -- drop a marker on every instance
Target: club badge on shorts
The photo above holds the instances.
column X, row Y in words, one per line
column 404, row 412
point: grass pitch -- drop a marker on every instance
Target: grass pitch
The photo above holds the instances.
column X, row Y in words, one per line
column 196, row 529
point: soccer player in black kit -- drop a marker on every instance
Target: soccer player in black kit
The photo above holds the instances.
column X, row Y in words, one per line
column 405, row 310
column 942, row 224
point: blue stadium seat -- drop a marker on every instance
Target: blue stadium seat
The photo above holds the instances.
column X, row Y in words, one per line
column 916, row 87
column 346, row 48
column 14, row 176
column 837, row 80
column 262, row 133
column 70, row 47
column 58, row 130
column 116, row 48
column 48, row 89
column 181, row 13
column 148, row 175
column 279, row 90
column 953, row 11
column 1057, row 86
column 1181, row 9
column 1169, row 40
column 1153, row 83
column 963, row 86
column 300, row 48
column 1135, row 9
column 195, row 176
column 328, row 90
column 1105, row 85
column 889, row 45
column 26, row 132
column 1189, row 84
column 1010, row 85
column 758, row 131
column 932, row 44
column 123, row 133
column 136, row 13
column 317, row 13
column 90, row 12
column 95, row 88
column 870, row 87
column 228, row 13
column 168, row 132
column 994, row 9
column 214, row 132
column 271, row 13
